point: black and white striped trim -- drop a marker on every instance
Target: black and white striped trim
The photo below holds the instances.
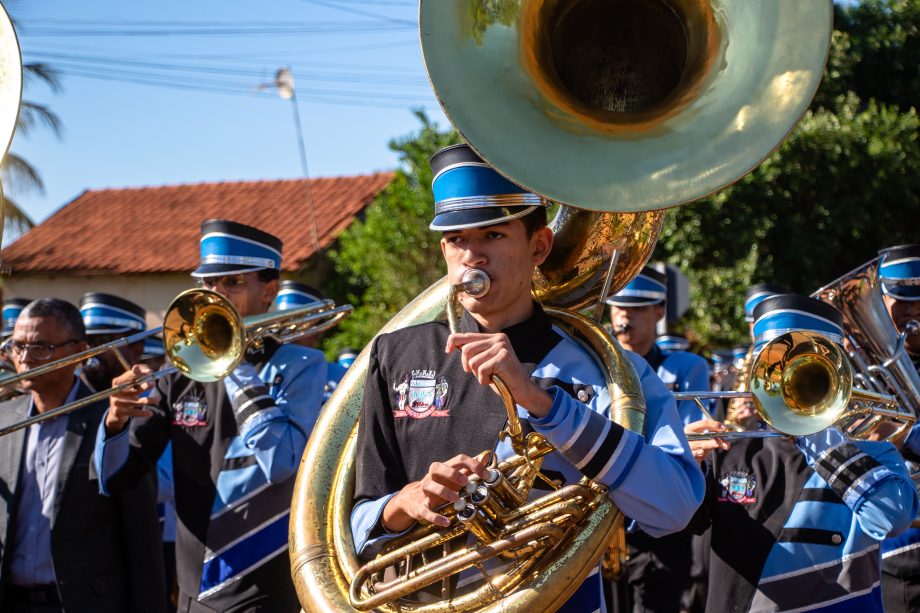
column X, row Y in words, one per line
column 849, row 471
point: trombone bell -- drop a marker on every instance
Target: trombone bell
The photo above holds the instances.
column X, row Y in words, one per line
column 202, row 333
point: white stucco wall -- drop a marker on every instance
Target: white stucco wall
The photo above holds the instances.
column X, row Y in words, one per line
column 153, row 292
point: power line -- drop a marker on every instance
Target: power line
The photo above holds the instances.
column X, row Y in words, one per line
column 332, row 96
column 338, row 74
column 318, row 28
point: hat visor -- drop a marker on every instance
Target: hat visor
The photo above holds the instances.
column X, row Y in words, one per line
column 632, row 301
column 462, row 219
column 220, row 270
column 109, row 330
column 901, row 292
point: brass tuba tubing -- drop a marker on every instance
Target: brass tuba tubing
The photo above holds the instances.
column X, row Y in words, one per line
column 459, row 561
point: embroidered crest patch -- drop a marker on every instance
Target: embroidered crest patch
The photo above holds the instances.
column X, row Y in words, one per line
column 421, row 394
column 738, row 487
column 190, row 411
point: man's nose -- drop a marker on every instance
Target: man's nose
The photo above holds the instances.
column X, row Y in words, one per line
column 474, row 255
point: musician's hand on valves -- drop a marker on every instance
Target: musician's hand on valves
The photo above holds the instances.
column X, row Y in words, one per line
column 702, row 449
column 129, row 403
column 418, row 500
column 486, row 355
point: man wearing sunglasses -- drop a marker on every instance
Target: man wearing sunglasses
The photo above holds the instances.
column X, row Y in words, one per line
column 236, row 443
column 63, row 545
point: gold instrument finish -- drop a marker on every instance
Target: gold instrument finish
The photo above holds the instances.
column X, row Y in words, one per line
column 573, row 275
column 802, row 383
column 202, row 335
column 624, row 105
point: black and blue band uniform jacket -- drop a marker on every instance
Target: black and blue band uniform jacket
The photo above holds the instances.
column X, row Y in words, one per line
column 234, row 464
column 421, row 407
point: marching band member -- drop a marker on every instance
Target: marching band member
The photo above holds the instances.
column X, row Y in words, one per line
column 293, row 295
column 797, row 522
column 634, row 313
column 63, row 545
column 672, row 342
column 415, row 455
column 236, row 443
column 756, row 294
column 740, row 411
column 658, row 568
column 901, row 555
column 11, row 310
column 108, row 318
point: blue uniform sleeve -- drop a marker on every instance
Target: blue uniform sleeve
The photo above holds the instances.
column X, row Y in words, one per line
column 870, row 477
column 110, row 454
column 275, row 420
column 653, row 479
column 367, row 527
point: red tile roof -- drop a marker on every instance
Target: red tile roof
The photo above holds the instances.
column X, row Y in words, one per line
column 156, row 229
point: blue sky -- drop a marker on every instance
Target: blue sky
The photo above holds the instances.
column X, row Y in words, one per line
column 356, row 63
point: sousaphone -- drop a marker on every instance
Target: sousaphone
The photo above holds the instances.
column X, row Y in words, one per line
column 616, row 109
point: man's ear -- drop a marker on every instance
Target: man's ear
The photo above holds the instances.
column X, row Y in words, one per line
column 270, row 291
column 541, row 244
column 659, row 311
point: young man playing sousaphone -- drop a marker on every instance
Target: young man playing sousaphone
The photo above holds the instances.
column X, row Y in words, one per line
column 416, row 450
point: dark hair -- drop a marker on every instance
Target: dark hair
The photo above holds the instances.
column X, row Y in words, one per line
column 268, row 274
column 66, row 314
column 534, row 220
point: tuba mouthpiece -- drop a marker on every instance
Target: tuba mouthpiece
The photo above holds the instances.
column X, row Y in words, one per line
column 475, row 282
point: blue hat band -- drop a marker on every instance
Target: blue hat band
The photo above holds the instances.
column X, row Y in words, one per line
column 901, row 279
column 471, row 180
column 154, row 347
column 10, row 315
column 640, row 291
column 752, row 302
column 478, row 202
column 104, row 319
column 779, row 322
column 218, row 248
column 291, row 299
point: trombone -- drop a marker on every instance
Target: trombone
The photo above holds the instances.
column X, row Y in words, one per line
column 205, row 339
column 802, row 383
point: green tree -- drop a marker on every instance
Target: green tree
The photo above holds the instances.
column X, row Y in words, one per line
column 846, row 183
column 875, row 54
column 390, row 256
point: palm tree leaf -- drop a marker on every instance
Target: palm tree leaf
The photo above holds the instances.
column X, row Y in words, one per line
column 19, row 175
column 14, row 221
column 39, row 71
column 32, row 113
